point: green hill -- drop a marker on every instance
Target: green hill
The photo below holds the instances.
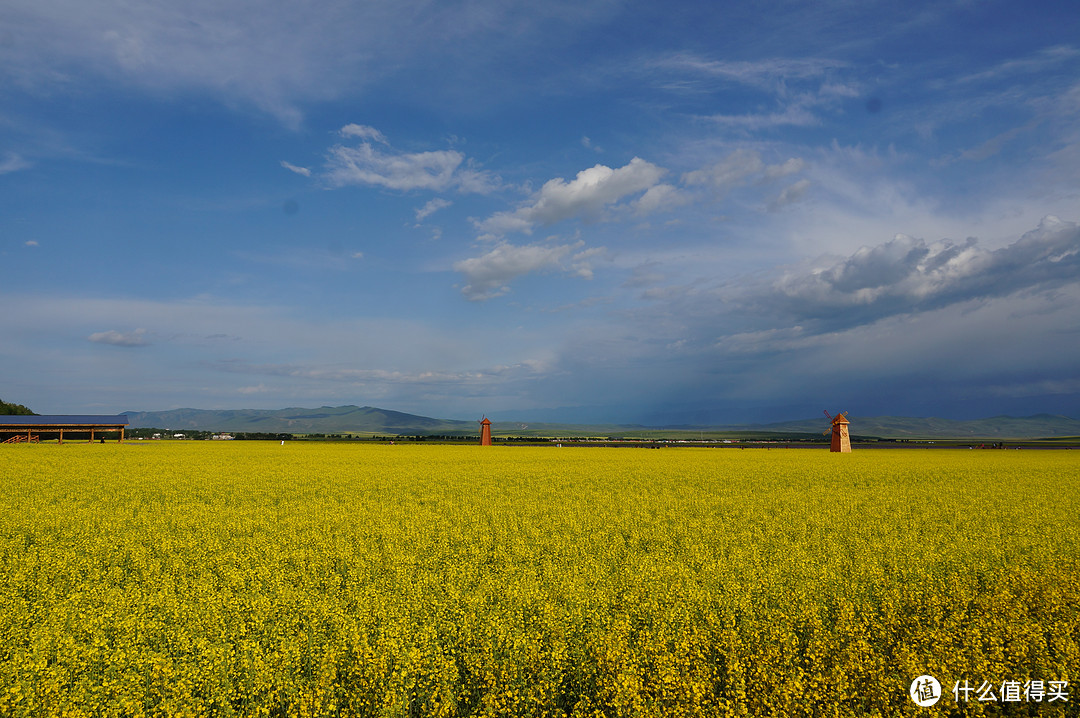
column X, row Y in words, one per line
column 324, row 420
column 14, row 409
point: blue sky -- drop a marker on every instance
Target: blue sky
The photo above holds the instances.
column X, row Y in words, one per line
column 678, row 212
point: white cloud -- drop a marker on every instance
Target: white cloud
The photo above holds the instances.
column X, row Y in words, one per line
column 273, row 55
column 471, row 180
column 739, row 168
column 789, row 195
column 303, row 171
column 793, row 115
column 764, row 73
column 31, row 243
column 645, row 275
column 790, row 167
column 488, row 275
column 135, row 338
column 588, row 144
column 432, row 207
column 729, row 172
column 365, row 165
column 586, row 196
column 363, row 132
column 660, row 197
column 13, row 163
column 437, row 171
column 796, row 87
column 1038, row 63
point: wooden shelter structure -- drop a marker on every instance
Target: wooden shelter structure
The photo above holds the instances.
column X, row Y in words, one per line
column 30, row 429
column 485, row 432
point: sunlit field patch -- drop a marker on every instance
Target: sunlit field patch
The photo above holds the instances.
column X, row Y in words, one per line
column 255, row 579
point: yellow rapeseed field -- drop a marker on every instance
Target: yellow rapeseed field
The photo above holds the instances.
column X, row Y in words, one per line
column 254, row 579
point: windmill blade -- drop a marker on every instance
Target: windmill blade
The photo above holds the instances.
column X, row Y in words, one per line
column 827, row 414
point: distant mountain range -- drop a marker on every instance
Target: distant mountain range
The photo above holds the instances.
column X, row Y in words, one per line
column 368, row 420
column 324, row 420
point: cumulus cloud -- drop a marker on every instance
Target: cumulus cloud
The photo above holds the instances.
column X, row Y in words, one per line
column 488, row 275
column 586, row 196
column 930, row 289
column 905, row 325
column 908, row 274
column 367, row 165
column 136, row 338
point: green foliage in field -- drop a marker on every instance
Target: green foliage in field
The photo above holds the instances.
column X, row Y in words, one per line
column 254, row 579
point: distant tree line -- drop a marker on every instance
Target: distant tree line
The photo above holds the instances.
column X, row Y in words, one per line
column 198, row 435
column 14, row 409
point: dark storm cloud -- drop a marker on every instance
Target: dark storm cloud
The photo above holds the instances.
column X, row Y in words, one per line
column 908, row 275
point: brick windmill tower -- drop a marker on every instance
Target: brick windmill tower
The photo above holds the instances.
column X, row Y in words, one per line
column 841, row 440
column 485, row 432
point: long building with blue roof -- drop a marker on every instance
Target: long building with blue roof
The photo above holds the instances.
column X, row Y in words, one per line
column 19, row 428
